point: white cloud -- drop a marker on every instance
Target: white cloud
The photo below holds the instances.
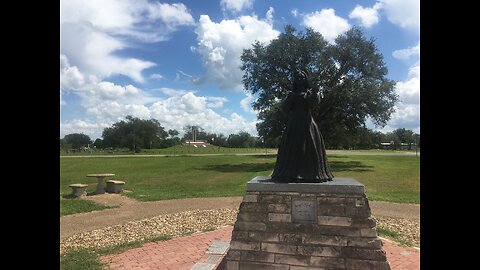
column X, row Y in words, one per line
column 246, row 103
column 91, row 128
column 327, row 23
column 173, row 112
column 107, row 102
column 407, row 53
column 405, row 13
column 111, row 91
column 173, row 15
column 172, row 92
column 156, row 76
column 407, row 110
column 103, row 100
column 236, row 5
column 92, row 52
column 367, row 16
column 91, row 31
column 409, row 90
column 221, row 44
column 132, row 18
column 269, row 15
column 137, row 110
column 70, row 77
column 177, row 111
column 62, row 101
column 295, row 12
column 216, row 102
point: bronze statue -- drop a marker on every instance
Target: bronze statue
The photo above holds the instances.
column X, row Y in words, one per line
column 301, row 156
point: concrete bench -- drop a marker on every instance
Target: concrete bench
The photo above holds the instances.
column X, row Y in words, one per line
column 115, row 186
column 78, row 190
column 101, row 181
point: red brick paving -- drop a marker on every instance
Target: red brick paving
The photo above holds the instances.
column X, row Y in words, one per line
column 401, row 258
column 182, row 253
column 176, row 254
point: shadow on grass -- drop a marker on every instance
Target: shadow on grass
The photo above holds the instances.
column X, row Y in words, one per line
column 243, row 167
column 264, row 156
column 351, row 166
column 338, row 166
column 69, row 196
column 337, row 156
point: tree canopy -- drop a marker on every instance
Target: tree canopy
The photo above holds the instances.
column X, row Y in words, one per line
column 349, row 76
column 76, row 140
column 134, row 133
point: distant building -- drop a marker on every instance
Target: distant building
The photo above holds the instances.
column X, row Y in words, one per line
column 197, row 143
column 387, row 145
column 194, row 142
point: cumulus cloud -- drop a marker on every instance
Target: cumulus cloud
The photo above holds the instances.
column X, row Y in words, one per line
column 409, row 90
column 172, row 15
column 407, row 53
column 327, row 23
column 221, row 44
column 104, row 100
column 407, row 111
column 108, row 102
column 246, row 103
column 91, row 31
column 404, row 13
column 174, row 112
column 177, row 111
column 216, row 102
column 236, row 5
column 70, row 76
column 131, row 18
column 367, row 16
column 91, row 128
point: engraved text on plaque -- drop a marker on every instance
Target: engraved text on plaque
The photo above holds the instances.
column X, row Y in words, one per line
column 303, row 211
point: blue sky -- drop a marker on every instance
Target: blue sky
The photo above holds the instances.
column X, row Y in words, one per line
column 177, row 61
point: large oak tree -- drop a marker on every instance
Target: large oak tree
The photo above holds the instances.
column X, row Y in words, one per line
column 349, row 76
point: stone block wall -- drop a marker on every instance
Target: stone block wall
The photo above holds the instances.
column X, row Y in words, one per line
column 305, row 230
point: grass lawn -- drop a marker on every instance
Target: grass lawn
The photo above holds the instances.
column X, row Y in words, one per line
column 89, row 258
column 73, row 206
column 386, row 178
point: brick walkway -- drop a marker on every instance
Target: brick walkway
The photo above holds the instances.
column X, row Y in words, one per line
column 182, row 253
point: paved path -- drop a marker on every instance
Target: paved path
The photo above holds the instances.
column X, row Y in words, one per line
column 130, row 209
column 195, row 252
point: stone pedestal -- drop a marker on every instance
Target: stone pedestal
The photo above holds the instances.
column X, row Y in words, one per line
column 300, row 226
column 115, row 186
column 78, row 190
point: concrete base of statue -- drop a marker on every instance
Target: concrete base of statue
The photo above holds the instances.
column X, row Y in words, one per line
column 296, row 226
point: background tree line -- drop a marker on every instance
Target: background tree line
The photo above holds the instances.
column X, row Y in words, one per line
column 136, row 134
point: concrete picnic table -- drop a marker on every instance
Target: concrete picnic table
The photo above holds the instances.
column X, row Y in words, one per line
column 101, row 181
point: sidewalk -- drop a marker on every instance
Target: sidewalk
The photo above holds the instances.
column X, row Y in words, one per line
column 129, row 209
column 204, row 251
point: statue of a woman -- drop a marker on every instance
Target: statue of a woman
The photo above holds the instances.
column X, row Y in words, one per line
column 301, row 156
